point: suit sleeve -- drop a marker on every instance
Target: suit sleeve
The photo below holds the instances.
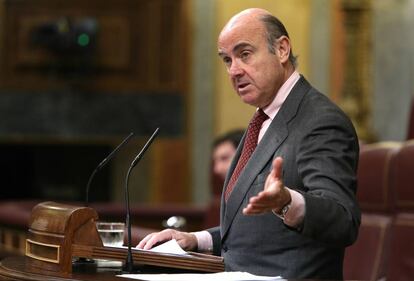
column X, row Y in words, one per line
column 215, row 234
column 327, row 159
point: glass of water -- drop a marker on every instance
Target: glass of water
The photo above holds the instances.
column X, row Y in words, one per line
column 112, row 233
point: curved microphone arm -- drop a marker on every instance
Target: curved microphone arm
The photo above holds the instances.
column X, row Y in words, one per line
column 129, row 262
column 88, row 186
column 103, row 163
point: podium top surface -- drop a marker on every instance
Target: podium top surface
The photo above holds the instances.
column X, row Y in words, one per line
column 15, row 268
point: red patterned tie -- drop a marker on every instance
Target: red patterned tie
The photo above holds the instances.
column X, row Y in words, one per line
column 249, row 146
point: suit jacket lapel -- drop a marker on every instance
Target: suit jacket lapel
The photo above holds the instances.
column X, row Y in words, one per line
column 228, row 176
column 274, row 137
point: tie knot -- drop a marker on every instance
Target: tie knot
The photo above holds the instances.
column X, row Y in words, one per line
column 259, row 117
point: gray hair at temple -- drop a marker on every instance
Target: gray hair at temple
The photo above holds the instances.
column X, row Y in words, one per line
column 275, row 29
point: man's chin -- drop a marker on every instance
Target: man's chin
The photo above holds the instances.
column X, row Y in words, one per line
column 248, row 100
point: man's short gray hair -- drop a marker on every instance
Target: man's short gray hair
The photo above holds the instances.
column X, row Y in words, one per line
column 275, row 29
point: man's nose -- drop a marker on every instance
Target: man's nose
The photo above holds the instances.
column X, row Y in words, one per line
column 235, row 69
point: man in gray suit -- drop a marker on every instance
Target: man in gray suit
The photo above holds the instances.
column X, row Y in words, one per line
column 288, row 205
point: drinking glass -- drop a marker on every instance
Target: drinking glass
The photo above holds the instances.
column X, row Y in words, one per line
column 112, row 233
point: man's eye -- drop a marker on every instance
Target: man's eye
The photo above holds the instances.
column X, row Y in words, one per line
column 245, row 55
column 227, row 61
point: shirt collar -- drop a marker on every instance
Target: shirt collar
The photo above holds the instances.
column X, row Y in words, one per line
column 273, row 108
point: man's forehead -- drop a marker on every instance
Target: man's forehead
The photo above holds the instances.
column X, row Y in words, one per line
column 234, row 22
column 247, row 16
column 241, row 35
column 241, row 22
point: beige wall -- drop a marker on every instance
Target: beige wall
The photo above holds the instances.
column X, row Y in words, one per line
column 229, row 111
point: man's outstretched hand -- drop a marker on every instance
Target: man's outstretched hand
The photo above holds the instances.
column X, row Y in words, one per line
column 274, row 196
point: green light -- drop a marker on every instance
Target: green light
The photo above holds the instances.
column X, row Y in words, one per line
column 83, row 40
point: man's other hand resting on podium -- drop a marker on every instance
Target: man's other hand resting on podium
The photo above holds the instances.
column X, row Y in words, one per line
column 187, row 241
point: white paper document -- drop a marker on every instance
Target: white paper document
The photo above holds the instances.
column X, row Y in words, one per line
column 228, row 276
column 169, row 247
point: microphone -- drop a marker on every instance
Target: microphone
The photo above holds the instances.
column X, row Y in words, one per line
column 103, row 163
column 81, row 262
column 129, row 262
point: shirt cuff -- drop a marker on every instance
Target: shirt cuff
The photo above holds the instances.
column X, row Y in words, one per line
column 204, row 241
column 296, row 213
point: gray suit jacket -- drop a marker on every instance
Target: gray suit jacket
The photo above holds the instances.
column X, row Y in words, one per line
column 320, row 150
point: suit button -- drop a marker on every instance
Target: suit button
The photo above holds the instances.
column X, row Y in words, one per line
column 224, row 248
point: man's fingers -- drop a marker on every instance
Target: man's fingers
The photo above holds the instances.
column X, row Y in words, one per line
column 264, row 197
column 258, row 204
column 277, row 167
column 267, row 199
column 142, row 243
column 274, row 179
column 260, row 207
column 251, row 210
column 154, row 240
column 151, row 239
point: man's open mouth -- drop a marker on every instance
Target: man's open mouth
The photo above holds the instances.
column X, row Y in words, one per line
column 241, row 86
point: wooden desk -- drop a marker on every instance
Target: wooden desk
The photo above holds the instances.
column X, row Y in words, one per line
column 15, row 268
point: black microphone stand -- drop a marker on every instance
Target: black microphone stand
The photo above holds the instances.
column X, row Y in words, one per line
column 83, row 262
column 129, row 262
column 103, row 163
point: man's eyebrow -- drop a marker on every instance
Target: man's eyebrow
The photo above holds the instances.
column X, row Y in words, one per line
column 241, row 46
column 221, row 54
column 236, row 48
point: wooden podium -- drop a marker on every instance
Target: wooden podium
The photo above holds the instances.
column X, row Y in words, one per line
column 60, row 233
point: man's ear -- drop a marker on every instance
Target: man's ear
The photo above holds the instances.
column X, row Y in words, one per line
column 283, row 48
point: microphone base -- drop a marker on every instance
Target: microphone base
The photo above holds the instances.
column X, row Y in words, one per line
column 82, row 261
column 84, row 265
column 130, row 269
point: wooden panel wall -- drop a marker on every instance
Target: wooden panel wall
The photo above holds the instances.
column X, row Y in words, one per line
column 140, row 44
column 142, row 49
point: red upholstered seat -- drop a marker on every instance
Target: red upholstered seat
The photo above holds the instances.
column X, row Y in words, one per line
column 374, row 191
column 401, row 258
column 16, row 213
column 367, row 258
column 403, row 178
